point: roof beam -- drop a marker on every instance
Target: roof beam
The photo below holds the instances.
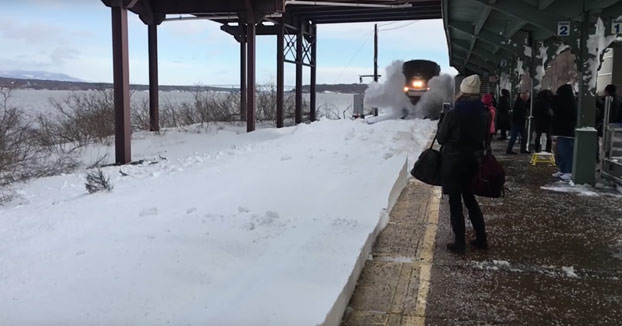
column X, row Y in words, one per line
column 479, row 24
column 475, row 68
column 541, row 18
column 485, row 55
column 600, row 4
column 488, row 37
column 543, row 4
column 479, row 63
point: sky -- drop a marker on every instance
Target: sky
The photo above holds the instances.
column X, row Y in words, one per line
column 74, row 37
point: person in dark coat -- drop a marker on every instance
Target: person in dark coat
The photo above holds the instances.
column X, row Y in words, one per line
column 503, row 114
column 520, row 111
column 543, row 114
column 564, row 125
column 463, row 135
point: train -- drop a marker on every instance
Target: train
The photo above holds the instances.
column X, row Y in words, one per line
column 418, row 74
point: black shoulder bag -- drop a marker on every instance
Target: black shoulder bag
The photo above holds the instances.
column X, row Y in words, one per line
column 427, row 169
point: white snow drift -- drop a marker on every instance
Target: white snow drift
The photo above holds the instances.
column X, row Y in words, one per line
column 231, row 229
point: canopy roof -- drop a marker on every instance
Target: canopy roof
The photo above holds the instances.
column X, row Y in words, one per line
column 482, row 33
column 319, row 11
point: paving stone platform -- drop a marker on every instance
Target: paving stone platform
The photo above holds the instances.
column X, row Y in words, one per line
column 554, row 259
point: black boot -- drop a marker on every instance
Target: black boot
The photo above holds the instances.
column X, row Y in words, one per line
column 480, row 243
column 457, row 247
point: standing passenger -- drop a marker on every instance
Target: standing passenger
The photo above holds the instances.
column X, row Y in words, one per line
column 489, row 104
column 463, row 134
column 543, row 114
column 519, row 117
column 503, row 114
column 564, row 124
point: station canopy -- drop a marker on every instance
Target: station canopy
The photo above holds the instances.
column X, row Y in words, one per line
column 318, row 12
column 482, row 33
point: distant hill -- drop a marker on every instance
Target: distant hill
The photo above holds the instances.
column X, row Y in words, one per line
column 38, row 75
column 35, row 83
column 338, row 88
column 84, row 86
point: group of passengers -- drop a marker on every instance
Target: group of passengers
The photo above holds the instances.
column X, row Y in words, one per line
column 468, row 129
column 554, row 115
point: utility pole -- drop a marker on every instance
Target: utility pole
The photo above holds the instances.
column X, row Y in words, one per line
column 375, row 60
column 376, row 52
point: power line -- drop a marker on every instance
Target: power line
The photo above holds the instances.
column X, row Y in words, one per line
column 399, row 27
column 352, row 59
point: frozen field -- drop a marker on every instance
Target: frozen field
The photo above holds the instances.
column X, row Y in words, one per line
column 227, row 228
column 38, row 101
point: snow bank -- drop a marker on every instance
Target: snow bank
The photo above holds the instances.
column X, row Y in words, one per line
column 390, row 94
column 569, row 271
column 583, row 190
column 245, row 229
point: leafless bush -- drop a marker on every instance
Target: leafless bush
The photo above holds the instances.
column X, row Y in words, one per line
column 80, row 119
column 22, row 156
column 331, row 111
column 96, row 181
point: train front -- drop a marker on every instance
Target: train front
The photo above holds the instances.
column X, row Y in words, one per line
column 415, row 88
column 418, row 74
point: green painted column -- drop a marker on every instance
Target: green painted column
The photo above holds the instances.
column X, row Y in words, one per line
column 584, row 160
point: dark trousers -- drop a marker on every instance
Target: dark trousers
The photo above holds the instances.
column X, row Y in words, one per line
column 457, row 215
column 564, row 152
column 503, row 134
column 549, row 141
column 518, row 128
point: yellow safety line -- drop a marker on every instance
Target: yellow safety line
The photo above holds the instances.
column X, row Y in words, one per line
column 427, row 255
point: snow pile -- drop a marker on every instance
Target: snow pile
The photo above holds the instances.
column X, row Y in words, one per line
column 582, row 190
column 569, row 271
column 390, row 94
column 238, row 229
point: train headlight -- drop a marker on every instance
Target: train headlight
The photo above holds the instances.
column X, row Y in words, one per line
column 405, row 89
column 418, row 84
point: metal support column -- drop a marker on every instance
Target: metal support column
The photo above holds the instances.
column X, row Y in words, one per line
column 584, row 159
column 243, row 73
column 154, row 107
column 299, row 60
column 532, row 96
column 121, row 77
column 375, row 110
column 251, row 57
column 280, row 73
column 312, row 95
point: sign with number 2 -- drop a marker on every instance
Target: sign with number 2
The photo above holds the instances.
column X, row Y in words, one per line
column 563, row 28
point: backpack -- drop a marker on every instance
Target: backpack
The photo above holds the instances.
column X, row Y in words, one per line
column 490, row 178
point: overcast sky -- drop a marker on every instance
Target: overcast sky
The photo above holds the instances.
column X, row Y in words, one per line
column 74, row 37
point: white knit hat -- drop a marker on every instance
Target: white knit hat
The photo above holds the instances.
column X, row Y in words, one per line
column 470, row 85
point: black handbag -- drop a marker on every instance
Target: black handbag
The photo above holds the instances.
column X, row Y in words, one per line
column 427, row 169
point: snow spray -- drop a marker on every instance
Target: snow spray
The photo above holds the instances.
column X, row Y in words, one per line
column 390, row 94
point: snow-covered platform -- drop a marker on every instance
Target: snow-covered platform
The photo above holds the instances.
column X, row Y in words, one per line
column 226, row 228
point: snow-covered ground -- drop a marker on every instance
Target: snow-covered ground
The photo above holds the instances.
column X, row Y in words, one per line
column 230, row 229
